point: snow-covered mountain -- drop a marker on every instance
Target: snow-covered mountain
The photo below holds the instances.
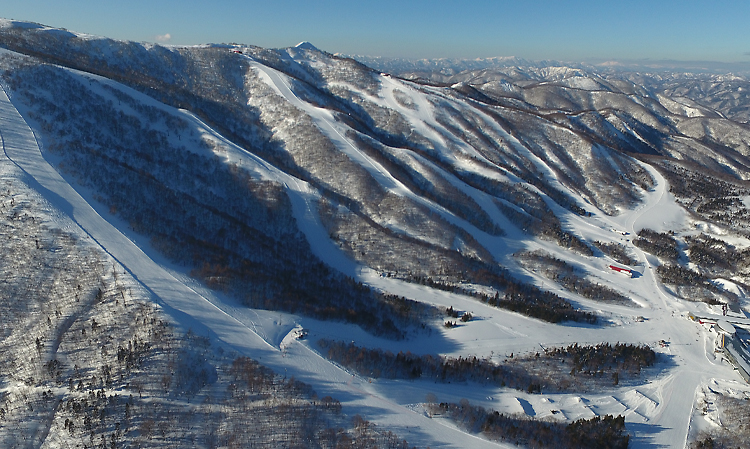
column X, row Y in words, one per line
column 184, row 222
column 448, row 66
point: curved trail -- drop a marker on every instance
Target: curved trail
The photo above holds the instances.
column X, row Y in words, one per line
column 677, row 394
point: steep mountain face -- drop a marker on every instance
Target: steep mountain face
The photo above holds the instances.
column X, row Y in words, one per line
column 438, row 180
column 400, row 165
column 285, row 178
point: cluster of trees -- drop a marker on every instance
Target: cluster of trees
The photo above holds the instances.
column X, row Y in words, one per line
column 289, row 414
column 590, row 290
column 239, row 403
column 453, row 313
column 679, row 275
column 378, row 363
column 617, row 251
column 532, row 301
column 427, row 181
column 568, row 276
column 89, row 361
column 687, row 183
column 706, row 442
column 522, row 298
column 132, row 356
column 69, row 319
column 604, row 358
column 446, row 270
column 719, row 205
column 585, row 367
column 660, row 244
column 598, row 432
column 716, row 256
column 734, row 431
column 527, row 210
column 569, row 240
column 713, row 257
column 515, row 193
column 694, row 286
column 557, row 369
column 715, row 197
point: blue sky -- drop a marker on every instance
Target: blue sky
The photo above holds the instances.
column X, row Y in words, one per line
column 569, row 30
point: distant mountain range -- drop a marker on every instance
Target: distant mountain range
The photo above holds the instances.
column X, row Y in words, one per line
column 447, row 66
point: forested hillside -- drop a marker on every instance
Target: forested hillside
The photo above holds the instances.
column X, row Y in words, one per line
column 227, row 245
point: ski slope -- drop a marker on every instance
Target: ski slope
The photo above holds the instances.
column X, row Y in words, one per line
column 658, row 412
column 192, row 310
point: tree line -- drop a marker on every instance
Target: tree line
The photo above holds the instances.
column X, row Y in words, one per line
column 660, row 244
column 570, row 277
column 555, row 369
column 607, row 432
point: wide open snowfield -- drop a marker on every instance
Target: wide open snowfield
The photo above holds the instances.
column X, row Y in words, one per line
column 659, row 413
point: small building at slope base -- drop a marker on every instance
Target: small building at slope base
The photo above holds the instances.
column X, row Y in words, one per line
column 625, row 271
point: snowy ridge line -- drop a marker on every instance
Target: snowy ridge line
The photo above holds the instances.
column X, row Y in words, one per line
column 418, row 119
column 323, row 119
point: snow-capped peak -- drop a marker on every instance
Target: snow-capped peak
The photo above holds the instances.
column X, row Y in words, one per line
column 306, row 46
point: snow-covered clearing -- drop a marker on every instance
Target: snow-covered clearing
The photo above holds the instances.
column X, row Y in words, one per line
column 659, row 412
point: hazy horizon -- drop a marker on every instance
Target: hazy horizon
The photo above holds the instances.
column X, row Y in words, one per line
column 581, row 30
